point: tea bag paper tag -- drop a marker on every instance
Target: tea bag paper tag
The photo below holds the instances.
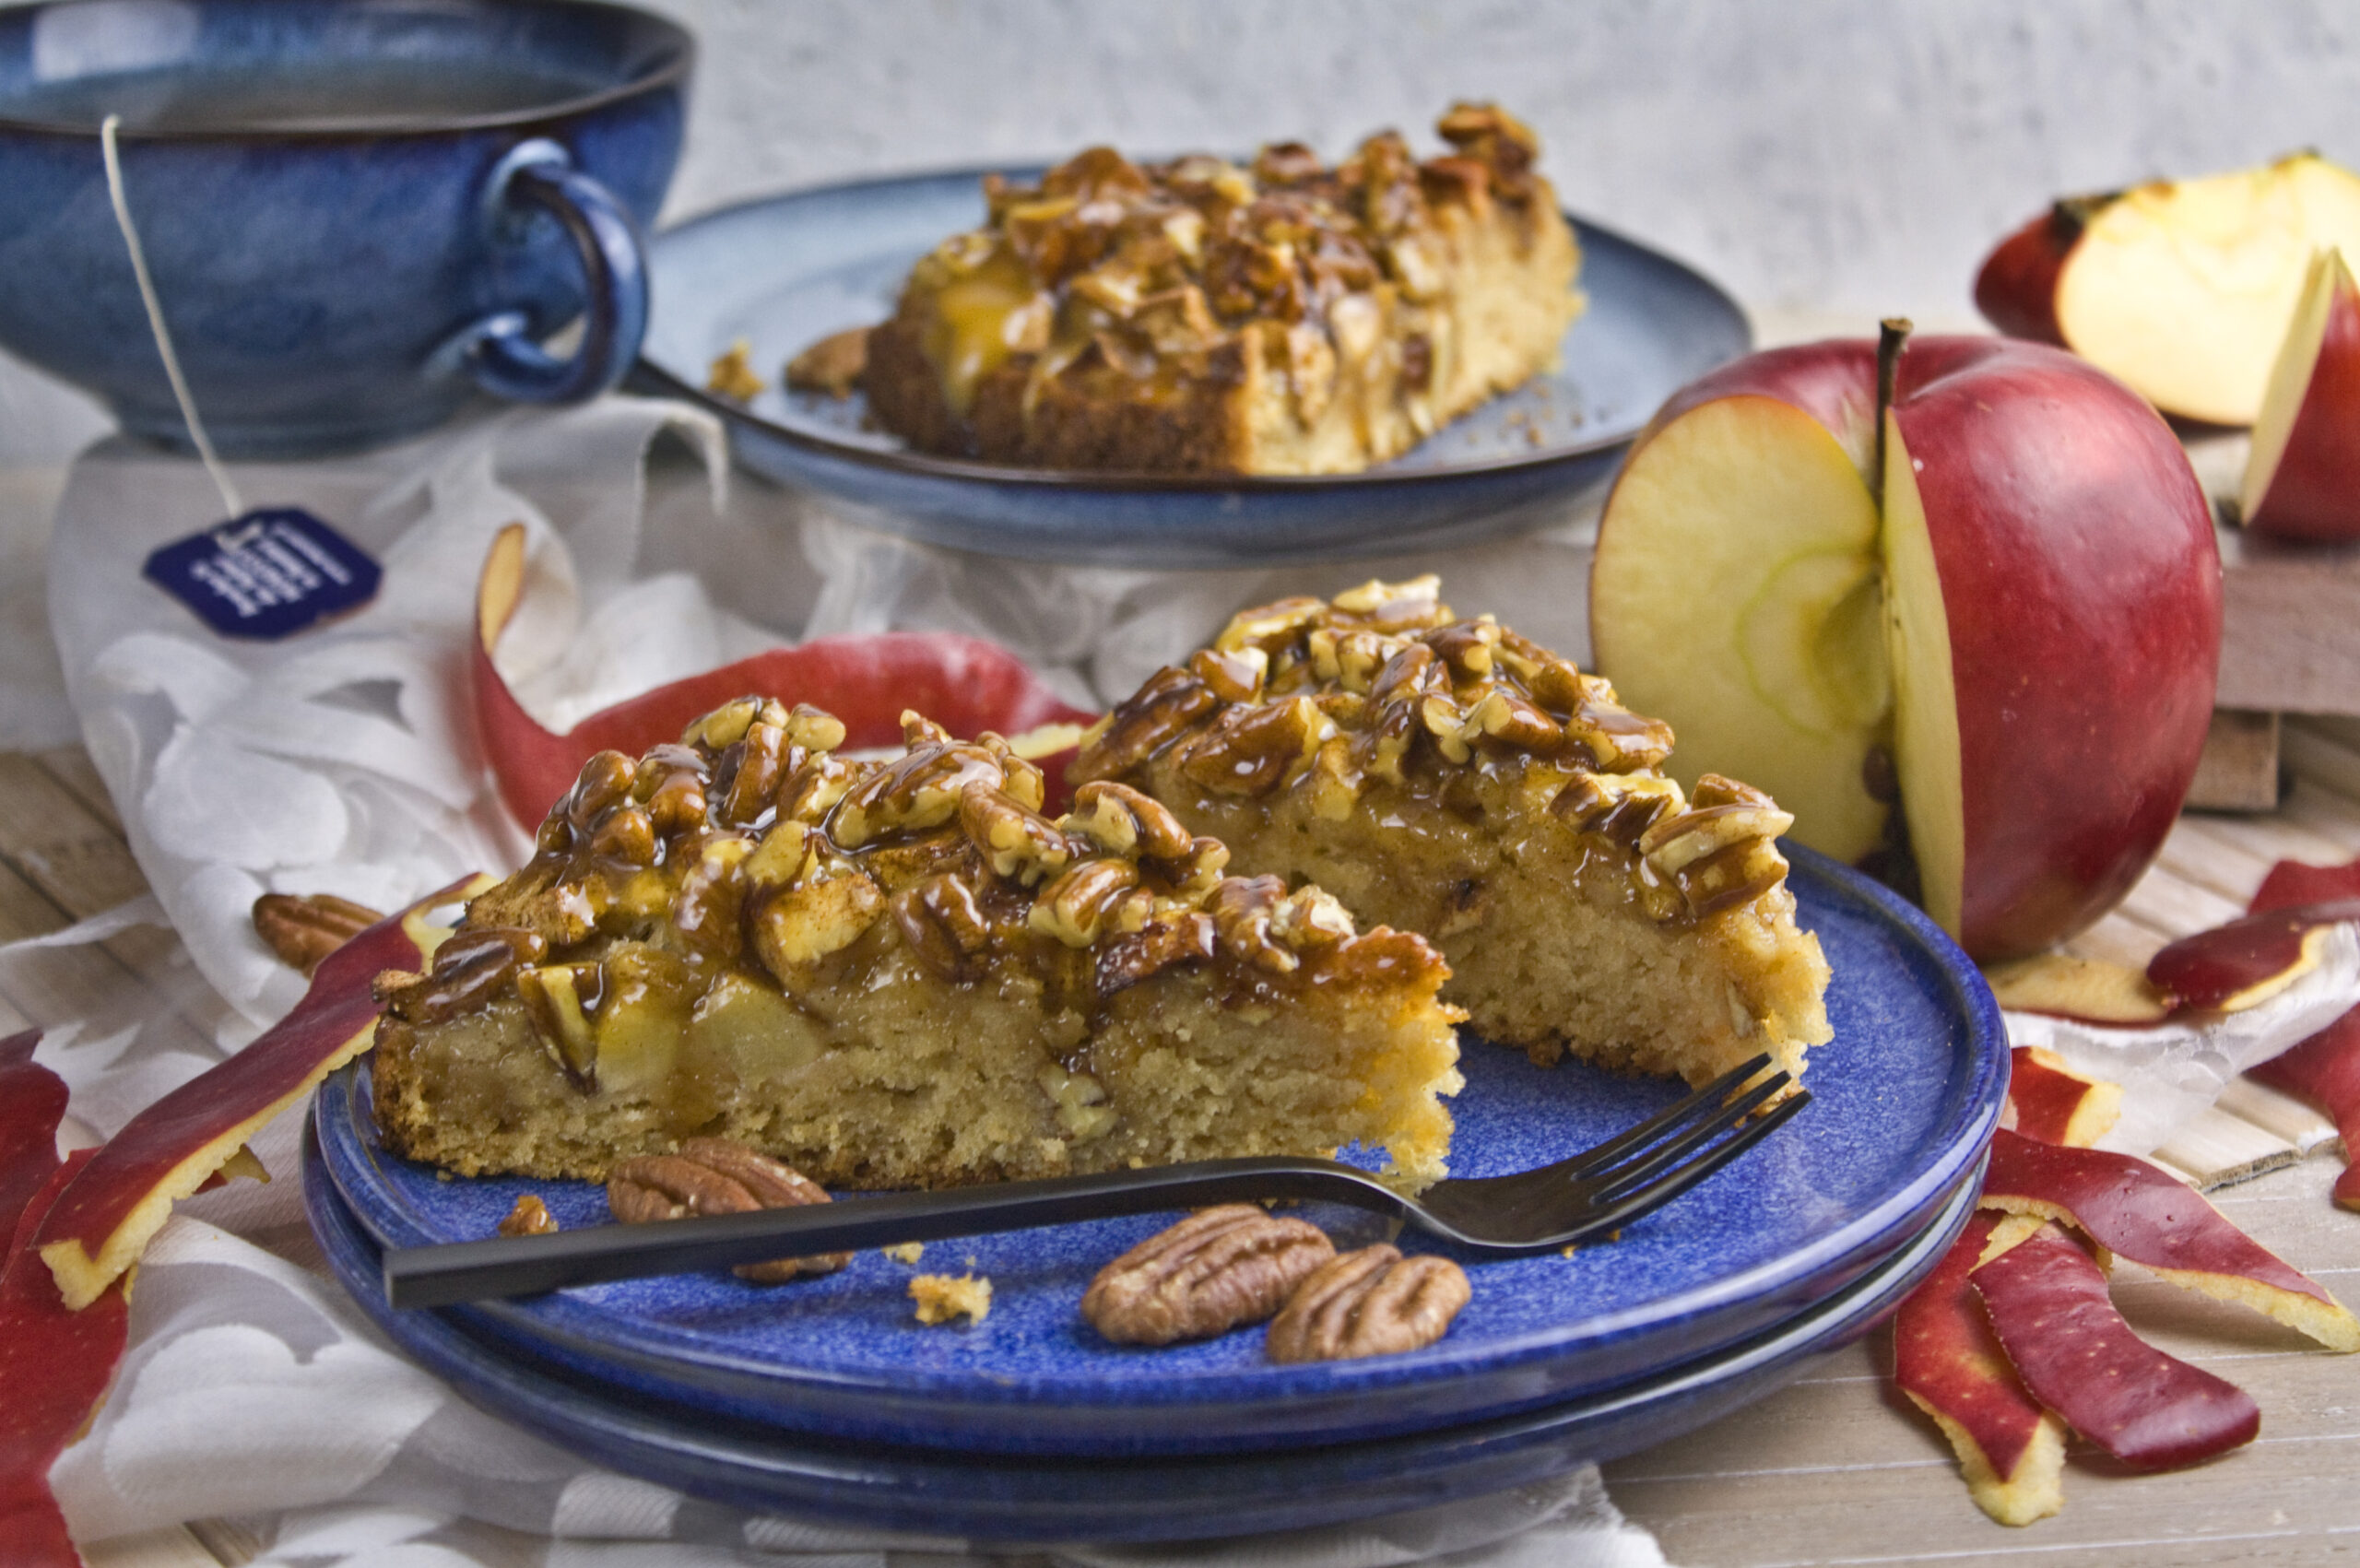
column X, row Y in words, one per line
column 269, row 574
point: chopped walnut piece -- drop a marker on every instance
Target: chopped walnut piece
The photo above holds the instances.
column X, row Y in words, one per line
column 713, row 1175
column 1369, row 1303
column 1213, row 1271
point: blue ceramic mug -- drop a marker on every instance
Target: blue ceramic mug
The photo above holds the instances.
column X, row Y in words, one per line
column 355, row 212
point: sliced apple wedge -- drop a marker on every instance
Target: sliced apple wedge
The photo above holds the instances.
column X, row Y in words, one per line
column 2183, row 288
column 2006, row 612
column 2302, row 480
column 1760, row 528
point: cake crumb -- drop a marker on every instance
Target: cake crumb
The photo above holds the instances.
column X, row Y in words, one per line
column 732, row 374
column 904, row 1252
column 1573, row 1249
column 940, row 1298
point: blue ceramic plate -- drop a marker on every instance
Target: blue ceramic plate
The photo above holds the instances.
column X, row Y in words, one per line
column 786, row 270
column 1004, row 1499
column 1904, row 1101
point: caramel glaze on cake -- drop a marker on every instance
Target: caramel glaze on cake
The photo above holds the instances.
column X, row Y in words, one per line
column 1450, row 777
column 1198, row 317
column 897, row 974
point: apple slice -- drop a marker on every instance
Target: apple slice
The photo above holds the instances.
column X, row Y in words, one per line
column 1744, row 506
column 2050, row 1104
column 2091, row 990
column 2249, row 960
column 2051, row 1312
column 2140, row 1212
column 1947, row 1360
column 2303, row 478
column 2040, row 559
column 2183, row 288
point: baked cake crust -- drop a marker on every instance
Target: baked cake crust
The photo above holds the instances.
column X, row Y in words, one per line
column 897, row 974
column 1197, row 317
column 1452, row 778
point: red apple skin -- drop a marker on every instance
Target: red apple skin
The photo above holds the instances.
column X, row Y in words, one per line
column 2083, row 589
column 2051, row 1312
column 2016, row 290
column 2315, row 494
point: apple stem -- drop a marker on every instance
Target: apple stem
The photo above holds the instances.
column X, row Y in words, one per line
column 1893, row 335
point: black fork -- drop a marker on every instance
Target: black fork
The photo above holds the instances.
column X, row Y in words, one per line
column 1598, row 1190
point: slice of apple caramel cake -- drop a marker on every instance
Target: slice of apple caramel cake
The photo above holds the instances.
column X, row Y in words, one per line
column 1449, row 777
column 901, row 973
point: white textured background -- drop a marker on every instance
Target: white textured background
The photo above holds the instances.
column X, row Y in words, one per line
column 1839, row 155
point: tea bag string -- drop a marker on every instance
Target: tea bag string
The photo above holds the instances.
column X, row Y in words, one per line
column 220, row 476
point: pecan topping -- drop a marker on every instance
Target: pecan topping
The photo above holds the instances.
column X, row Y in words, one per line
column 1369, row 1303
column 714, row 1176
column 1120, row 819
column 1159, row 712
column 531, row 1216
column 303, row 931
column 1216, row 1270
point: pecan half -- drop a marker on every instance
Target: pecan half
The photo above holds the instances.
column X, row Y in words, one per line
column 1214, row 1270
column 1369, row 1303
column 714, row 1176
column 303, row 931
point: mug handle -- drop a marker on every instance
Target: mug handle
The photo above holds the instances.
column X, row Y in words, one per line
column 502, row 355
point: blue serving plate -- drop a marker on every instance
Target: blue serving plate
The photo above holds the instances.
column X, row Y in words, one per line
column 785, row 270
column 1009, row 1501
column 1904, row 1102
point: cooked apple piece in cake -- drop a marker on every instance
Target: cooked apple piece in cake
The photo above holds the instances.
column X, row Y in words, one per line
column 1198, row 317
column 1449, row 777
column 901, row 973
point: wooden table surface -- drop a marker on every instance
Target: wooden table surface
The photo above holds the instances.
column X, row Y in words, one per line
column 1832, row 1468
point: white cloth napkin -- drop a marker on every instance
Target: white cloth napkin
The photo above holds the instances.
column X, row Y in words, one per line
column 344, row 760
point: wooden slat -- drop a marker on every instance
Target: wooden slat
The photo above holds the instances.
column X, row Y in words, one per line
column 71, row 766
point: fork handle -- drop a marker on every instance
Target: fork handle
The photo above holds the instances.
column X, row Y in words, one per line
column 523, row 1265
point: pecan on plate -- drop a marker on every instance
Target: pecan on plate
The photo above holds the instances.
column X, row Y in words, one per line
column 1215, row 1269
column 303, row 931
column 1369, row 1303
column 714, row 1175
column 531, row 1216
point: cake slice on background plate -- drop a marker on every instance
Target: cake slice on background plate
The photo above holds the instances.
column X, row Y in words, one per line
column 1203, row 317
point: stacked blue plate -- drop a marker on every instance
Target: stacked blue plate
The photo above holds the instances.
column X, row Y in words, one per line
column 826, row 1397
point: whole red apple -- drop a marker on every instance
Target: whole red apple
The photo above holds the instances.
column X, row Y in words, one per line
column 2001, row 621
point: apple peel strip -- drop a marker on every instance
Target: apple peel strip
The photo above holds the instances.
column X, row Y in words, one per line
column 2050, row 1311
column 2323, row 1070
column 2049, row 1102
column 965, row 684
column 2173, row 1070
column 99, row 1225
column 2140, row 1212
column 1948, row 1362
